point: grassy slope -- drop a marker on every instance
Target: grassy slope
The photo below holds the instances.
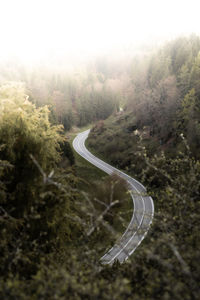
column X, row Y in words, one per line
column 96, row 183
column 117, row 144
column 115, row 141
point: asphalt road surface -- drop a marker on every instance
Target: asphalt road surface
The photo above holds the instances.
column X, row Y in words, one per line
column 143, row 207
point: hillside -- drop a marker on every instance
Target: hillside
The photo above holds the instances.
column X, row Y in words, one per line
column 162, row 103
column 156, row 139
column 51, row 200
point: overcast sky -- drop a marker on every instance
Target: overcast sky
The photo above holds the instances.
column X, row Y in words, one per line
column 32, row 29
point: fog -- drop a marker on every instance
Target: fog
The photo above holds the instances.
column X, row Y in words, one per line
column 35, row 30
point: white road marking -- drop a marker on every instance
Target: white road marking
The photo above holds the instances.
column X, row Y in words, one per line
column 79, row 146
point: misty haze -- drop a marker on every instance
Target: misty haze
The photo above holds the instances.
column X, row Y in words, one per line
column 99, row 149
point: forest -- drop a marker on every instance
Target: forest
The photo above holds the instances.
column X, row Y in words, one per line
column 144, row 111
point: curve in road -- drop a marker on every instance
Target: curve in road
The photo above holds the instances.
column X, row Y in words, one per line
column 143, row 206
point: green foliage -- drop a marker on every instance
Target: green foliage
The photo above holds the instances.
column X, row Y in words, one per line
column 53, row 235
column 110, row 208
column 33, row 204
column 67, row 152
column 97, row 105
column 161, row 91
column 184, row 80
column 78, row 97
column 44, row 251
column 170, row 250
column 195, row 73
column 189, row 120
column 26, row 129
column 147, row 140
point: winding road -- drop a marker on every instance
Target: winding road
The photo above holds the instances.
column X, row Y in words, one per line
column 143, row 206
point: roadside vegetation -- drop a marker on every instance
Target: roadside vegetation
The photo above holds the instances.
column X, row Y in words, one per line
column 106, row 199
column 156, row 140
column 53, row 224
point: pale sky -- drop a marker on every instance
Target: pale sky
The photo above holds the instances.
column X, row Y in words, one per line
column 32, row 29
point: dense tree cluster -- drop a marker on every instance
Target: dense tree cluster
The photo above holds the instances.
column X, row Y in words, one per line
column 156, row 139
column 163, row 102
column 34, row 200
column 48, row 232
column 54, row 226
column 78, row 97
column 166, row 97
